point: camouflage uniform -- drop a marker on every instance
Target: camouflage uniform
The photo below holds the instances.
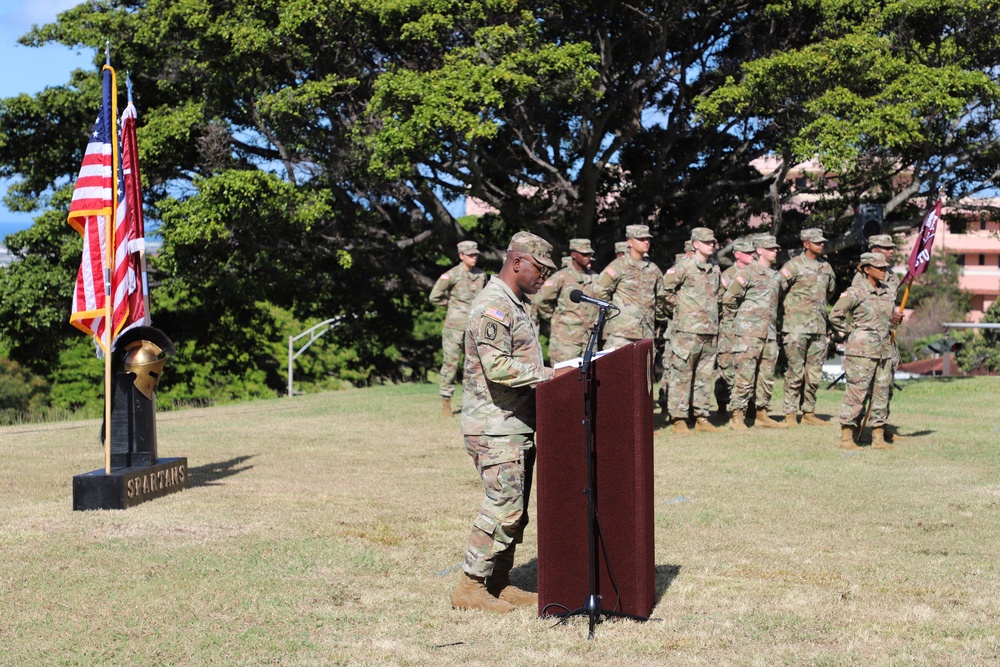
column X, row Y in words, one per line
column 724, row 360
column 808, row 285
column 571, row 322
column 752, row 301
column 692, row 289
column 869, row 350
column 455, row 289
column 665, row 326
column 503, row 362
column 892, row 282
column 636, row 287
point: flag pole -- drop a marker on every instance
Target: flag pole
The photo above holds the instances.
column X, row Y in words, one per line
column 109, row 263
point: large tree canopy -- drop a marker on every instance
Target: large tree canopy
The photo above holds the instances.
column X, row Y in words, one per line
column 299, row 156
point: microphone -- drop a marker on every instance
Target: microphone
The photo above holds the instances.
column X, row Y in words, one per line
column 576, row 296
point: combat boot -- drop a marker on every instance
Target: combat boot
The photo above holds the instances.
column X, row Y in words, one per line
column 499, row 586
column 811, row 419
column 472, row 594
column 764, row 419
column 702, row 424
column 792, row 419
column 739, row 421
column 680, row 427
column 847, row 437
column 445, row 407
column 878, row 438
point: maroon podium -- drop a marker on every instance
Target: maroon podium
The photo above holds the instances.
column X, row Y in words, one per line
column 623, row 457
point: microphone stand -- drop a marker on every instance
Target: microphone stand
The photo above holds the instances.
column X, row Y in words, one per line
column 592, row 607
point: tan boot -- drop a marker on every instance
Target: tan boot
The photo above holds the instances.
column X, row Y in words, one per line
column 702, row 424
column 499, row 586
column 739, row 421
column 764, row 419
column 446, row 406
column 811, row 419
column 878, row 438
column 680, row 427
column 472, row 594
column 847, row 437
column 792, row 420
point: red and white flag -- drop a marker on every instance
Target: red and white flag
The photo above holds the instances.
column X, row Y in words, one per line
column 920, row 256
column 89, row 213
column 129, row 307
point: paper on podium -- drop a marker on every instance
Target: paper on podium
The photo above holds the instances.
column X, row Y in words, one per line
column 578, row 361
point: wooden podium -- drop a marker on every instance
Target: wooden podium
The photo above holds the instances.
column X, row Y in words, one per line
column 623, row 452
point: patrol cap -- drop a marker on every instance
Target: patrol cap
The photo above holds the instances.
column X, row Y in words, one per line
column 813, row 235
column 637, row 232
column 881, row 241
column 688, row 246
column 743, row 244
column 468, row 247
column 875, row 259
column 581, row 246
column 566, row 261
column 621, row 246
column 703, row 234
column 534, row 245
column 765, row 241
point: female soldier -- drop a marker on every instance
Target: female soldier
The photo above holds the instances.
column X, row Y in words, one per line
column 868, row 357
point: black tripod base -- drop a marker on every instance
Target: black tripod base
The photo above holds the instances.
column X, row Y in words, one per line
column 592, row 610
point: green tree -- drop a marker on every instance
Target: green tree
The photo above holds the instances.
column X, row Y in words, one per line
column 981, row 349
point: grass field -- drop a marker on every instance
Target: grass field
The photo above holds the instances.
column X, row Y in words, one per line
column 328, row 530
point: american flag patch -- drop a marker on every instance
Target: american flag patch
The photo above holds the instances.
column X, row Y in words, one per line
column 785, row 272
column 444, row 276
column 549, row 283
column 495, row 313
column 611, row 272
column 670, row 270
column 742, row 280
column 725, row 283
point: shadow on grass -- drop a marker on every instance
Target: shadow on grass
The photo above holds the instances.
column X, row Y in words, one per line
column 525, row 576
column 210, row 473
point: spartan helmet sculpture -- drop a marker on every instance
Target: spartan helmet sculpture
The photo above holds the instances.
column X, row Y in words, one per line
column 142, row 357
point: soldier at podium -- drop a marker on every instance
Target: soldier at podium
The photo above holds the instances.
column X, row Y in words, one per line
column 503, row 363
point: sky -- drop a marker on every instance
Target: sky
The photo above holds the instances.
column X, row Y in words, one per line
column 29, row 70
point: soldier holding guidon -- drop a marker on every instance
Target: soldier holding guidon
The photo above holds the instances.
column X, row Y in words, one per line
column 869, row 351
column 456, row 288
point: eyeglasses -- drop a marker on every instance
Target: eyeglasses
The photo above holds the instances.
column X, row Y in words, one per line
column 544, row 271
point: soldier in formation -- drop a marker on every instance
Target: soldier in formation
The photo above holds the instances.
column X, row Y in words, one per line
column 503, row 363
column 635, row 285
column 691, row 288
column 808, row 283
column 868, row 352
column 752, row 299
column 743, row 253
column 456, row 288
column 571, row 323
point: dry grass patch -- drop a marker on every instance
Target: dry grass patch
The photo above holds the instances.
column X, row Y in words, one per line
column 328, row 530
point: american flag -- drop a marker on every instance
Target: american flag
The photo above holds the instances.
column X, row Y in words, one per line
column 90, row 211
column 89, row 214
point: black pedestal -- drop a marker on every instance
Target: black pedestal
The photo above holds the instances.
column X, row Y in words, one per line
column 126, row 487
